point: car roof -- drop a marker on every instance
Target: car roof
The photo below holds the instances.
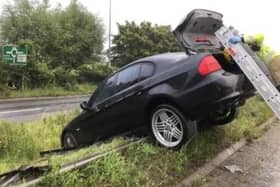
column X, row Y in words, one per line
column 166, row 60
column 164, row 57
column 162, row 61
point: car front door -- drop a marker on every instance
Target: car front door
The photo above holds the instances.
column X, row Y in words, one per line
column 100, row 121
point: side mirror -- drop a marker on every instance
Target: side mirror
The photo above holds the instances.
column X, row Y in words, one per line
column 84, row 106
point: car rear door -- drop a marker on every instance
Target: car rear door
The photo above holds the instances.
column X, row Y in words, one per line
column 128, row 90
column 196, row 33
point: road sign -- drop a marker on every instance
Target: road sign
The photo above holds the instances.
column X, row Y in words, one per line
column 14, row 55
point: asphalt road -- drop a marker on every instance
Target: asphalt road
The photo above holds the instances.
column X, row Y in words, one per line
column 33, row 108
column 259, row 162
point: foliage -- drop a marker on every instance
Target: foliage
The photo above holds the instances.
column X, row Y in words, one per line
column 20, row 143
column 51, row 91
column 148, row 165
column 94, row 72
column 137, row 41
column 58, row 41
column 140, row 165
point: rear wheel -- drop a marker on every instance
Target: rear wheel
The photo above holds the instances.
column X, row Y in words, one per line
column 223, row 117
column 69, row 141
column 169, row 127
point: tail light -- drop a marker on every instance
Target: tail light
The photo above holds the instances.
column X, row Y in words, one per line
column 208, row 65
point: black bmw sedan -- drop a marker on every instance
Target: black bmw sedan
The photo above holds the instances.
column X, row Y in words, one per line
column 168, row 93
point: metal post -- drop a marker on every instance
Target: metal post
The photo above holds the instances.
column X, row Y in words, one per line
column 109, row 36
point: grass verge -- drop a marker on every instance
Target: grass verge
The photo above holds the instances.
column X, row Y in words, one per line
column 140, row 165
column 49, row 91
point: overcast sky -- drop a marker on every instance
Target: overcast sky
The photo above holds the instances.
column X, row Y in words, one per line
column 247, row 16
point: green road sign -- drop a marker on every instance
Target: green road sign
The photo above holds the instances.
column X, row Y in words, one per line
column 14, row 55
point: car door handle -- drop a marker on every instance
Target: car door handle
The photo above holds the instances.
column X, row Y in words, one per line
column 139, row 93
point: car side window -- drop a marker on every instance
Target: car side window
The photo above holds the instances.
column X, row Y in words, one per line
column 128, row 77
column 108, row 89
column 147, row 70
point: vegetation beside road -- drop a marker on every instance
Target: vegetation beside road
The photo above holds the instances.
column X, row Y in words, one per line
column 80, row 89
column 66, row 48
column 63, row 51
column 143, row 164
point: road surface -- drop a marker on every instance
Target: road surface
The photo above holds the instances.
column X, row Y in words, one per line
column 33, row 108
column 260, row 162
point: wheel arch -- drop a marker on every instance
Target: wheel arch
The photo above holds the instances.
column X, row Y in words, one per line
column 66, row 130
column 62, row 136
column 162, row 99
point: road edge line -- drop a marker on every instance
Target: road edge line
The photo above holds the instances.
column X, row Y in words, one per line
column 204, row 170
column 41, row 98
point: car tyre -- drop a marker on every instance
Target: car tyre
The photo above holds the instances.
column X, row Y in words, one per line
column 169, row 128
column 69, row 141
column 225, row 117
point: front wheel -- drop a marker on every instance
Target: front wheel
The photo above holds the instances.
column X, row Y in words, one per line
column 169, row 127
column 69, row 141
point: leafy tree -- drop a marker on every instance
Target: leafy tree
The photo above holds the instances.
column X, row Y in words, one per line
column 58, row 40
column 137, row 41
column 79, row 37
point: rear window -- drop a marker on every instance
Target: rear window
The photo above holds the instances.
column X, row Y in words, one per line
column 147, row 70
column 128, row 77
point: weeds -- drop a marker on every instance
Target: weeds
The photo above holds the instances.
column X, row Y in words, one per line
column 140, row 165
column 49, row 91
column 21, row 143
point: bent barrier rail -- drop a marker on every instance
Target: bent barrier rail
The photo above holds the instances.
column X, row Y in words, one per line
column 32, row 175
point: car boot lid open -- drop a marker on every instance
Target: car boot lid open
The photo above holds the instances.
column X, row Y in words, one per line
column 196, row 33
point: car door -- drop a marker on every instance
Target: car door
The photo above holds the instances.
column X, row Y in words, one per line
column 131, row 85
column 147, row 70
column 128, row 91
column 99, row 122
column 196, row 33
column 114, row 104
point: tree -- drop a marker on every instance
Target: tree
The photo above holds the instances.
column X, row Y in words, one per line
column 67, row 37
column 59, row 38
column 137, row 41
column 79, row 37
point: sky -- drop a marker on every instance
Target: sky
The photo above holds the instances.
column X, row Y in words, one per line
column 249, row 17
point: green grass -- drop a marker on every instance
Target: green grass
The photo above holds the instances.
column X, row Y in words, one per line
column 21, row 143
column 49, row 91
column 141, row 165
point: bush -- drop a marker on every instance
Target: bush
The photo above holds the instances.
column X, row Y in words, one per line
column 40, row 76
column 65, row 78
column 94, row 72
column 4, row 91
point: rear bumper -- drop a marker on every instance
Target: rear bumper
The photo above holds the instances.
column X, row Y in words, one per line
column 220, row 89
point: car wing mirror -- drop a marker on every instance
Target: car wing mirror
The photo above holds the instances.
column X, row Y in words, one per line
column 84, row 106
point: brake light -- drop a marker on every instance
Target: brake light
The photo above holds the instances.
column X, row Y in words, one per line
column 201, row 39
column 208, row 65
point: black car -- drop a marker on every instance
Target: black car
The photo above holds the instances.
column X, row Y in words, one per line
column 168, row 93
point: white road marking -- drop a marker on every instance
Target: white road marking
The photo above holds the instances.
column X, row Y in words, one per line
column 23, row 110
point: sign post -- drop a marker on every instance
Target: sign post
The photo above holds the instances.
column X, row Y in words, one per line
column 14, row 55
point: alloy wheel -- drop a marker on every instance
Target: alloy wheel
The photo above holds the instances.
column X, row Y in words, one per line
column 167, row 127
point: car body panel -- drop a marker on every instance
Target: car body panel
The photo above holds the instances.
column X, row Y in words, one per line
column 197, row 31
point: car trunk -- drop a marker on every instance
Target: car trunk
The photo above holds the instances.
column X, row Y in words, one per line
column 196, row 34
